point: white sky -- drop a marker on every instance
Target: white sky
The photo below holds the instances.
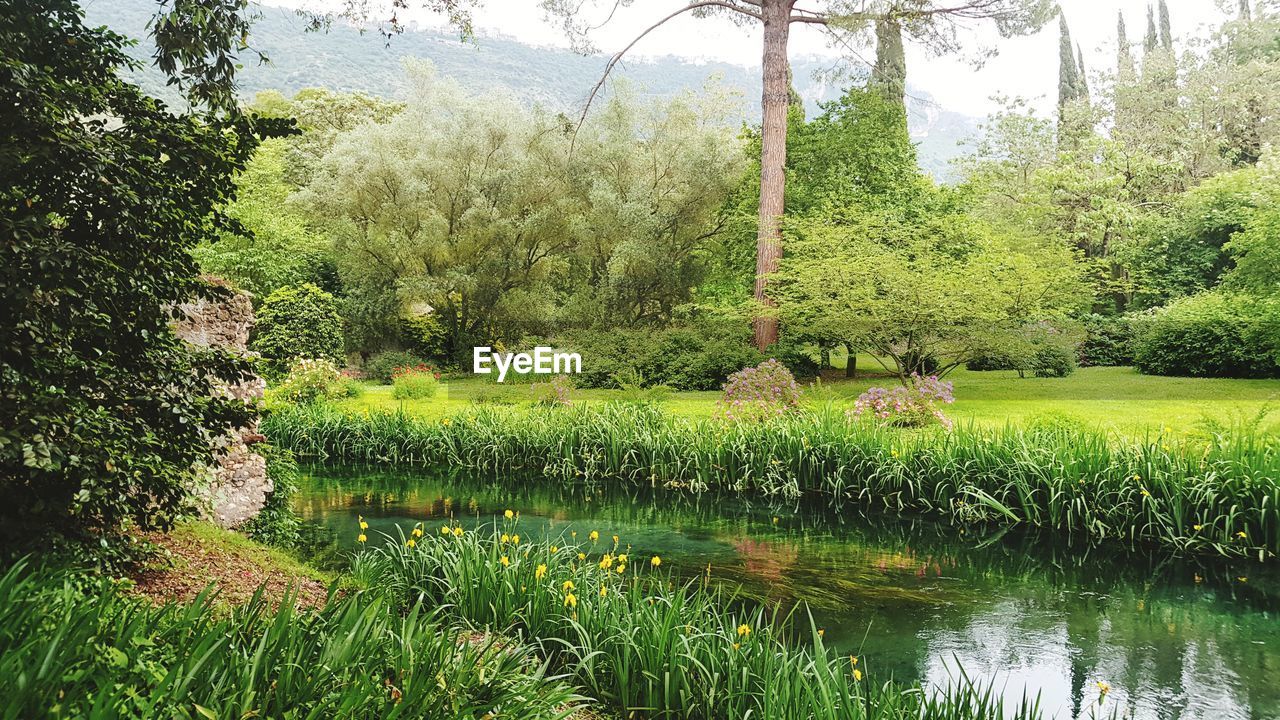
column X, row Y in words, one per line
column 1025, row 67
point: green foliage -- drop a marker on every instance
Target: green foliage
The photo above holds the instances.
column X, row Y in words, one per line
column 1108, row 341
column 298, row 323
column 274, row 247
column 424, row 335
column 414, row 383
column 106, row 413
column 695, row 357
column 277, row 522
column 1215, row 334
column 624, row 634
column 1194, row 494
column 556, row 392
column 381, row 367
column 310, row 381
column 1054, row 360
column 101, row 652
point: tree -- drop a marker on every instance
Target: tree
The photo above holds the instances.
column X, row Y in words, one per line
column 1166, row 30
column 1070, row 80
column 930, row 22
column 298, row 323
column 1152, row 39
column 1124, row 51
column 107, row 415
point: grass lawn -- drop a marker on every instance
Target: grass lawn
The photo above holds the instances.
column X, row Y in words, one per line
column 1112, row 398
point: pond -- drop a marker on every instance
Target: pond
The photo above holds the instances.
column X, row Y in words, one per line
column 1174, row 638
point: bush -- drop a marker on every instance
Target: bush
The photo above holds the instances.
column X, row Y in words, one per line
column 912, row 405
column 1213, row 334
column 382, row 366
column 1054, row 360
column 556, row 392
column 765, row 391
column 298, row 322
column 309, row 381
column 277, row 523
column 682, row 358
column 1108, row 341
column 414, row 383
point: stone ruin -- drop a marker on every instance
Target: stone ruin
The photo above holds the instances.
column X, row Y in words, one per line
column 240, row 483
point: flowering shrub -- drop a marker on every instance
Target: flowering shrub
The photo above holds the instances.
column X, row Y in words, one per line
column 308, row 381
column 912, row 405
column 416, row 382
column 764, row 391
column 558, row 391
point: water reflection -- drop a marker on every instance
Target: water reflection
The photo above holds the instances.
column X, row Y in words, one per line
column 1174, row 638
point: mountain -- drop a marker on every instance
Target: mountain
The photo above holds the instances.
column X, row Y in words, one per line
column 344, row 59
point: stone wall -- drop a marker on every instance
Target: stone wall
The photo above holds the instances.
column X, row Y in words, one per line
column 240, row 484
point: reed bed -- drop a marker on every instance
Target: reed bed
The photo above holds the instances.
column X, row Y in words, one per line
column 645, row 648
column 70, row 651
column 1209, row 494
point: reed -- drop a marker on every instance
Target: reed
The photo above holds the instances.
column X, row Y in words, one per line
column 1213, row 494
column 643, row 647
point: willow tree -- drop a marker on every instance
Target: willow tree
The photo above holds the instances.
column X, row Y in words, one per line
column 846, row 24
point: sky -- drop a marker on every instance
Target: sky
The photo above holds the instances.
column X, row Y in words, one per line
column 1024, row 67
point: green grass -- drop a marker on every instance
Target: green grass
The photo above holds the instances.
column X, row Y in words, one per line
column 1111, row 398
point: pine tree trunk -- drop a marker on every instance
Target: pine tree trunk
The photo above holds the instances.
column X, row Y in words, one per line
column 773, row 158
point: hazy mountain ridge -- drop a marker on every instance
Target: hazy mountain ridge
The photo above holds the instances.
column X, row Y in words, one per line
column 343, row 59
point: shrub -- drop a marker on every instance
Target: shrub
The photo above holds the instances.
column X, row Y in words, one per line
column 309, row 381
column 298, row 322
column 682, row 358
column 277, row 523
column 1213, row 334
column 423, row 335
column 1108, row 341
column 1054, row 360
column 414, row 383
column 765, row 391
column 556, row 392
column 382, row 366
column 912, row 405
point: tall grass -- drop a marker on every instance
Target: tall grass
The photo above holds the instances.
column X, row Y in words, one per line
column 1214, row 495
column 75, row 652
column 644, row 647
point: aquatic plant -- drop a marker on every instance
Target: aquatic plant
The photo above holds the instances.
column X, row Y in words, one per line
column 80, row 649
column 1187, row 493
column 627, row 637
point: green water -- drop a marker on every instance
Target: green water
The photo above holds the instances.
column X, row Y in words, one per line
column 1174, row 638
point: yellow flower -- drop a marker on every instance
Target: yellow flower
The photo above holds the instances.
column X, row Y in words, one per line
column 362, row 538
column 1241, row 535
column 446, row 422
column 505, row 562
column 622, row 569
column 1136, row 478
column 853, row 660
column 582, row 556
column 417, row 530
column 515, row 539
column 775, row 519
column 363, row 525
column 1104, row 687
column 603, row 591
column 615, row 540
column 567, row 586
column 444, row 529
column 541, row 572
column 744, row 630
column 622, row 558
column 606, row 562
column 508, row 514
column 571, row 600
column 822, row 632
column 506, row 538
column 857, row 674
column 894, row 453
column 457, row 532
column 1242, row 579
column 655, row 561
column 1196, row 527
column 594, row 536
column 1145, row 493
column 574, row 534
column 410, row 543
column 736, row 646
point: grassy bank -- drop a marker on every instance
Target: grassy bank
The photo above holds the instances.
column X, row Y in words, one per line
column 1207, row 494
column 1109, row 398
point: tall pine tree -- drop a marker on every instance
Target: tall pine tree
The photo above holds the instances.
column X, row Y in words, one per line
column 1068, row 71
column 1152, row 40
column 1166, row 30
column 1124, row 53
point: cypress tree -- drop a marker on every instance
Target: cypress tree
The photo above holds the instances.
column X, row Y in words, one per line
column 1081, row 74
column 1124, row 59
column 1152, row 41
column 1166, row 30
column 1246, row 14
column 1068, row 70
column 890, row 71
